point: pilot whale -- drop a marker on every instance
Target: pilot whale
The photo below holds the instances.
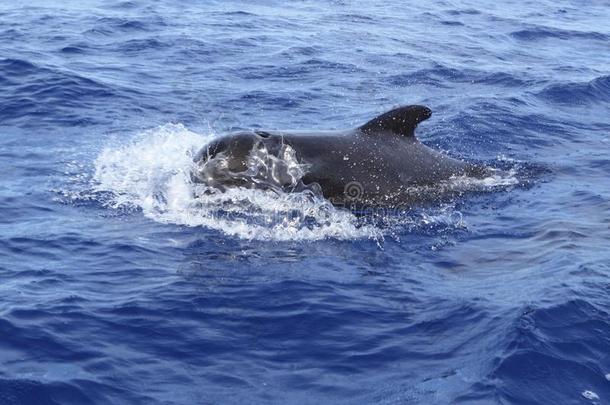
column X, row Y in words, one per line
column 379, row 163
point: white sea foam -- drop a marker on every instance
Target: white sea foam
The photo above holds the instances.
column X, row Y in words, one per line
column 152, row 173
column 496, row 178
column 590, row 395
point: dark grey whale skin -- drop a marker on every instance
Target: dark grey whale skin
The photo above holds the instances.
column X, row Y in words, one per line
column 378, row 163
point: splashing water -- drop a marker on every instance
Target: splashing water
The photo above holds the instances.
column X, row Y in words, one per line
column 152, row 173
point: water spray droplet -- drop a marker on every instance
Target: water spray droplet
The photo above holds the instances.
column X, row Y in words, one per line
column 590, row 395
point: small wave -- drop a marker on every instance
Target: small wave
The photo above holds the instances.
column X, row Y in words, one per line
column 107, row 26
column 123, row 24
column 239, row 13
column 274, row 99
column 468, row 11
column 125, row 5
column 547, row 347
column 452, row 23
column 48, row 92
column 440, row 76
column 353, row 17
column 72, row 50
column 28, row 391
column 137, row 45
column 537, row 33
column 16, row 67
column 301, row 69
column 596, row 90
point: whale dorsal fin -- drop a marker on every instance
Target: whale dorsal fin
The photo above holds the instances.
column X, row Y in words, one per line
column 399, row 121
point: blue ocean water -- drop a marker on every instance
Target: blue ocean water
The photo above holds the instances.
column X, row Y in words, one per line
column 117, row 287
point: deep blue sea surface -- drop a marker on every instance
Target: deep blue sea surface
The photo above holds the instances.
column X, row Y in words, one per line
column 117, row 286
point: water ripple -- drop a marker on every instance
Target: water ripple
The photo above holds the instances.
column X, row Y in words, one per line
column 592, row 92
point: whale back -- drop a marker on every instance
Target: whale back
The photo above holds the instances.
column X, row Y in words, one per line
column 399, row 121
